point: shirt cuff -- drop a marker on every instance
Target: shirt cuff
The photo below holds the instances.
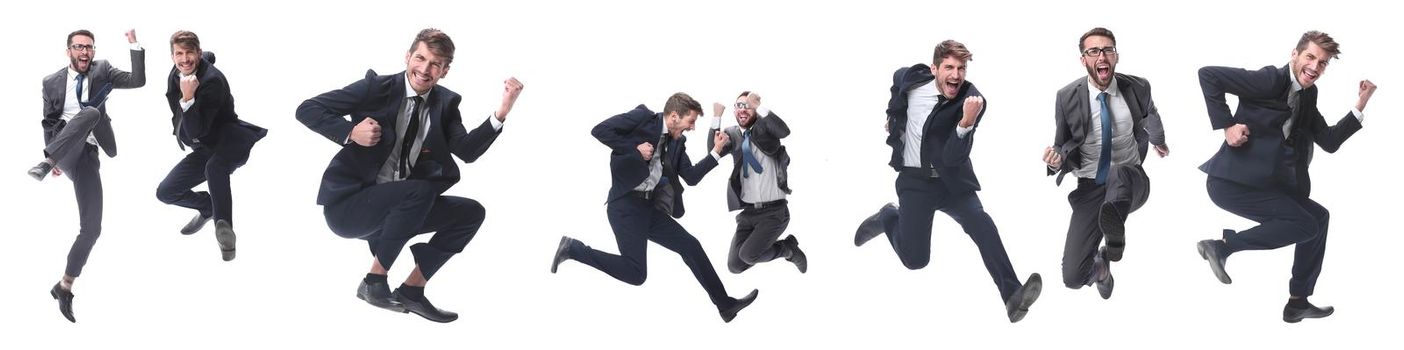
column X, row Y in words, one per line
column 496, row 124
column 1359, row 116
column 714, row 155
column 716, row 122
column 136, row 46
column 185, row 105
column 962, row 131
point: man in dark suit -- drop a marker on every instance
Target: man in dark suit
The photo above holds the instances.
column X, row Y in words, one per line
column 202, row 117
column 1260, row 172
column 758, row 185
column 1105, row 122
column 386, row 184
column 76, row 124
column 647, row 159
column 931, row 122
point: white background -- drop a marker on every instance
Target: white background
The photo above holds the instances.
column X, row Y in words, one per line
column 825, row 68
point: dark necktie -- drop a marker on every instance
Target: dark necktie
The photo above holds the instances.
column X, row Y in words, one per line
column 926, row 126
column 411, row 133
column 79, row 89
column 747, row 157
column 1104, row 163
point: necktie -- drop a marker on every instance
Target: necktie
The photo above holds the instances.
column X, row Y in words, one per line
column 411, row 133
column 747, row 157
column 1293, row 99
column 79, row 89
column 1104, row 163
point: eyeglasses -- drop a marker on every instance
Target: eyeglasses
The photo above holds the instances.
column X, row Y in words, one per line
column 1098, row 51
column 81, row 47
column 743, row 105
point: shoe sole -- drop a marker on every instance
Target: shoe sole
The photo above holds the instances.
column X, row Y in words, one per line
column 745, row 302
column 1030, row 296
column 39, row 176
column 871, row 224
column 1214, row 265
column 1114, row 228
column 556, row 260
column 226, row 239
column 1287, row 319
column 801, row 261
column 1110, row 286
column 392, row 307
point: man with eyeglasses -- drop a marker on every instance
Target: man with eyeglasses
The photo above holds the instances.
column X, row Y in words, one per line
column 932, row 117
column 1105, row 122
column 1260, row 171
column 386, row 184
column 758, row 185
column 203, row 118
column 76, row 125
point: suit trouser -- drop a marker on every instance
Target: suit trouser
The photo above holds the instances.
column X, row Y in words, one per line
column 388, row 215
column 1127, row 189
column 201, row 165
column 909, row 227
column 757, row 232
column 78, row 159
column 1284, row 217
column 635, row 223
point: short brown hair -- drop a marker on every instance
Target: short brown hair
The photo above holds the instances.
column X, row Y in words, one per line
column 186, row 39
column 83, row 32
column 1099, row 31
column 1321, row 39
column 951, row 48
column 438, row 42
column 681, row 103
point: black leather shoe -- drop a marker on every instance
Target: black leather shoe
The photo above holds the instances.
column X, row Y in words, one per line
column 1216, row 252
column 729, row 313
column 224, row 234
column 38, row 172
column 65, row 300
column 1106, row 281
column 871, row 227
column 1113, row 225
column 1294, row 315
column 378, row 294
column 796, row 255
column 562, row 252
column 1018, row 305
column 425, row 309
column 195, row 224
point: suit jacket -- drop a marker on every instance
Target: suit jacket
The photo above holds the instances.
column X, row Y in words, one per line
column 941, row 148
column 1262, row 106
column 623, row 133
column 210, row 121
column 100, row 73
column 1073, row 116
column 382, row 98
column 765, row 136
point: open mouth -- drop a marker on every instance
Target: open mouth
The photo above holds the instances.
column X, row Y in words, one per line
column 421, row 78
column 1311, row 75
column 1103, row 72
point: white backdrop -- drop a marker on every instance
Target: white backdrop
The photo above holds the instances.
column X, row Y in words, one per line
column 825, row 68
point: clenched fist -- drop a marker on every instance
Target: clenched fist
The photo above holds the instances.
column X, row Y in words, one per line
column 1366, row 90
column 1236, row 135
column 366, row 133
column 511, row 88
column 188, row 84
column 973, row 106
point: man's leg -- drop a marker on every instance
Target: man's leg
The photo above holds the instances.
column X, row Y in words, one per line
column 630, row 219
column 909, row 230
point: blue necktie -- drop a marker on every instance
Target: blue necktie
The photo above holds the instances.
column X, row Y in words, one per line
column 79, row 92
column 1104, row 163
column 747, row 157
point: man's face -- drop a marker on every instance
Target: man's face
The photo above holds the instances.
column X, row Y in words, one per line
column 1309, row 64
column 186, row 60
column 424, row 68
column 745, row 112
column 680, row 123
column 1099, row 56
column 80, row 53
column 950, row 75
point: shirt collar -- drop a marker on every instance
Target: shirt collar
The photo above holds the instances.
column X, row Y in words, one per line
column 1296, row 86
column 73, row 74
column 1112, row 88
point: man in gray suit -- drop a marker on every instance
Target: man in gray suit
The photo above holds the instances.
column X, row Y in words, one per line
column 76, row 124
column 1105, row 122
column 758, row 185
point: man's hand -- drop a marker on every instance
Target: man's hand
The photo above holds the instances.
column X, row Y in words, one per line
column 719, row 141
column 1236, row 135
column 1366, row 90
column 188, row 84
column 56, row 171
column 973, row 106
column 366, row 133
column 131, row 36
column 511, row 88
column 718, row 109
column 753, row 100
column 1162, row 150
column 1052, row 158
column 646, row 150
